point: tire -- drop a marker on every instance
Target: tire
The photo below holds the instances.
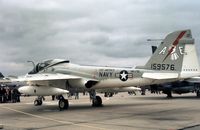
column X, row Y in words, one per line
column 97, row 102
column 106, row 94
column 38, row 102
column 110, row 94
column 63, row 104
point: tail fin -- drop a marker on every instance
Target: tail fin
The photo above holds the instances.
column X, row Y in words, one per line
column 177, row 52
column 153, row 48
column 1, row 75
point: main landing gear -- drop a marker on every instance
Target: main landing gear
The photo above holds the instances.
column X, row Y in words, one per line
column 169, row 94
column 63, row 103
column 197, row 90
column 96, row 100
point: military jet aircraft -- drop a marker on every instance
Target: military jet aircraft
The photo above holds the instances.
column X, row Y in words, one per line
column 175, row 59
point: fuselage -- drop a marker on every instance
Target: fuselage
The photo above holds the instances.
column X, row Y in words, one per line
column 106, row 77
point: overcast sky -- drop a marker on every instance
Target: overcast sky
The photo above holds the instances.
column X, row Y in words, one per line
column 91, row 32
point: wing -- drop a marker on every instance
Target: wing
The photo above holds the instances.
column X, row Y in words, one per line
column 45, row 77
column 57, row 80
column 39, row 79
column 53, row 84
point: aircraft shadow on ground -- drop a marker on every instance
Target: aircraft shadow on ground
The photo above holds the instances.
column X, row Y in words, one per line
column 175, row 97
column 81, row 107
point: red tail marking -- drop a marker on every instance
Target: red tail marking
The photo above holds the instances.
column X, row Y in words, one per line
column 175, row 43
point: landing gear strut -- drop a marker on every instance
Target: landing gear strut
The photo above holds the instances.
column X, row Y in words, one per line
column 96, row 100
column 198, row 93
column 107, row 94
column 197, row 89
column 169, row 94
column 63, row 103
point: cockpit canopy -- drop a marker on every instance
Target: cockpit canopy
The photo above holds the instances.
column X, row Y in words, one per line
column 45, row 64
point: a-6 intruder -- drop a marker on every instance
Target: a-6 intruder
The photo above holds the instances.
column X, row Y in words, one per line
column 175, row 59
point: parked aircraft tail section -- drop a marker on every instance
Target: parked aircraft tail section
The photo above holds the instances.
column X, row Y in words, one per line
column 176, row 53
column 1, row 75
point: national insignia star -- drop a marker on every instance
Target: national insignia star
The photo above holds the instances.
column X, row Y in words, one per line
column 123, row 75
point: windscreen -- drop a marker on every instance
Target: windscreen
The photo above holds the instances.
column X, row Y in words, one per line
column 39, row 67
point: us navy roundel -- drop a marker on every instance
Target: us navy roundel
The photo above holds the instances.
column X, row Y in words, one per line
column 123, row 75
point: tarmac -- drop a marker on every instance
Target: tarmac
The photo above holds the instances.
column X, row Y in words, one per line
column 120, row 112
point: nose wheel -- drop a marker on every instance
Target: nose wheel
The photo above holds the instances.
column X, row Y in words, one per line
column 38, row 102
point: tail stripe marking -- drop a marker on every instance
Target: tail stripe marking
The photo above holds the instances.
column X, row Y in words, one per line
column 175, row 43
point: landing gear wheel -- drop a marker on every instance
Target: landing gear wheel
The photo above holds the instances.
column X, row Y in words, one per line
column 38, row 102
column 97, row 102
column 110, row 94
column 63, row 104
column 106, row 94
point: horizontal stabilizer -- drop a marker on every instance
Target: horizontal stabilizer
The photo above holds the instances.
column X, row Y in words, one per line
column 160, row 75
column 194, row 80
column 1, row 75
